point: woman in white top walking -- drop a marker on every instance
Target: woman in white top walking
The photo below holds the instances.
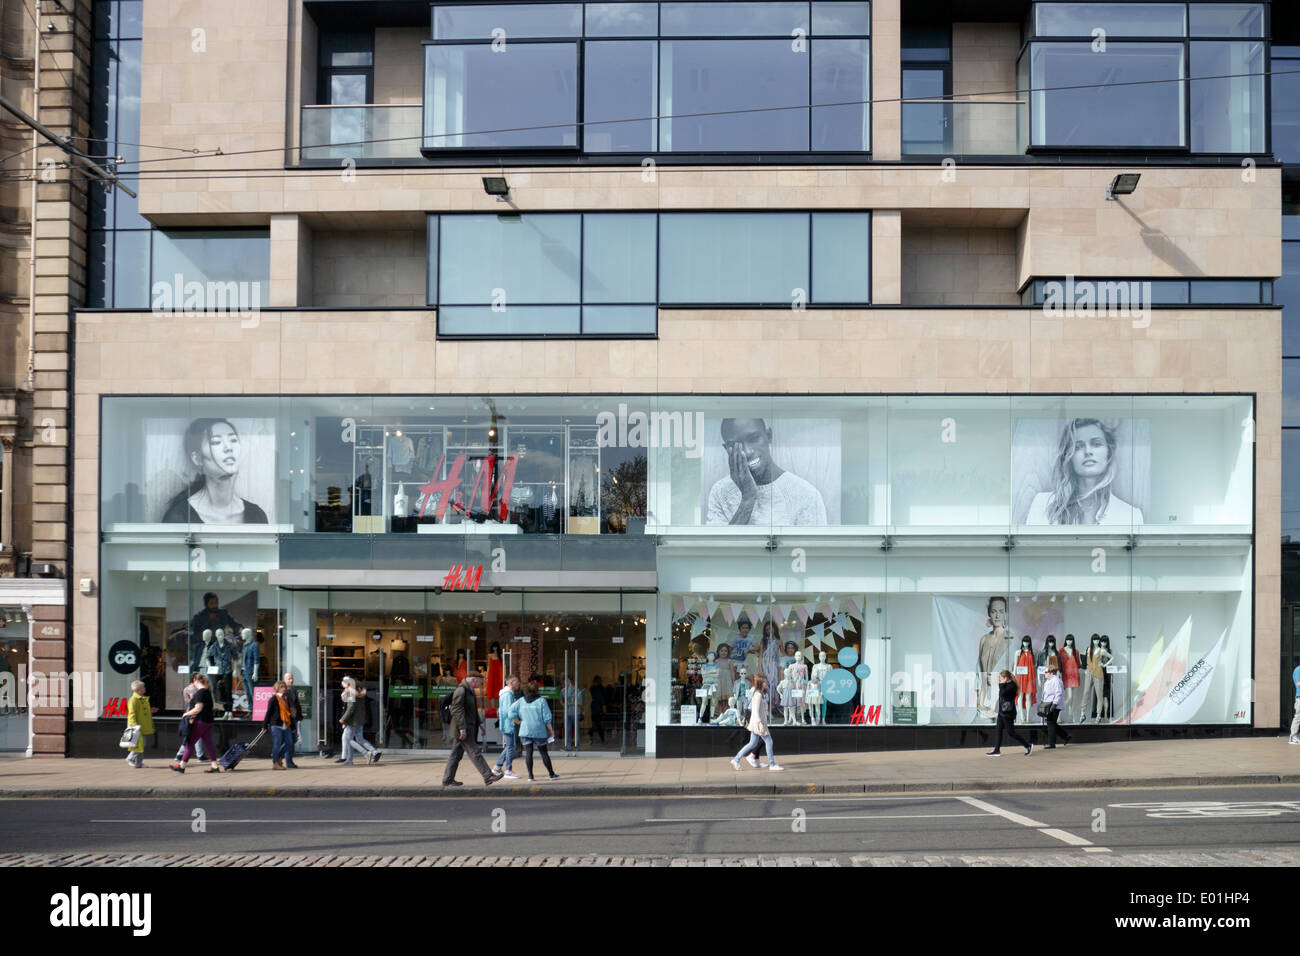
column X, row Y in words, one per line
column 757, row 729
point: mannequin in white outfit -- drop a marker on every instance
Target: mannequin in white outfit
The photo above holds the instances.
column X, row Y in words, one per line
column 819, row 672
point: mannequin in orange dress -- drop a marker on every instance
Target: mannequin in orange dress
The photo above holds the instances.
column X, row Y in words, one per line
column 495, row 675
column 461, row 668
column 1026, row 678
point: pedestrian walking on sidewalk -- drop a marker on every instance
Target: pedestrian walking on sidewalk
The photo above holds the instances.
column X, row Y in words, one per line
column 464, row 734
column 138, row 714
column 758, row 730
column 187, row 695
column 1007, row 690
column 295, row 709
column 279, row 717
column 509, row 732
column 354, row 725
column 1053, row 698
column 535, row 727
column 200, row 726
column 1295, row 721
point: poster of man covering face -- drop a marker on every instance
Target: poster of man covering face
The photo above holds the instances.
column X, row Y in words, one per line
column 1080, row 471
column 781, row 472
column 209, row 470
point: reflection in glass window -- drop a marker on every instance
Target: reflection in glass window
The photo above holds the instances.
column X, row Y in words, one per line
column 1286, row 293
column 203, row 255
column 1228, row 113
column 1285, row 113
column 1291, row 393
column 1081, row 99
column 841, row 74
column 707, row 19
column 721, row 258
column 765, row 79
column 618, row 265
column 517, row 20
column 622, row 19
column 620, row 84
column 1291, row 484
column 837, row 18
column 1117, row 19
column 529, row 260
column 526, row 95
column 841, row 254
column 1227, row 20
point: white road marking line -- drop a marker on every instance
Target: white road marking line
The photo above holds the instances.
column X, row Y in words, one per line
column 187, row 820
column 820, row 799
column 786, row 819
column 1096, row 849
column 998, row 811
column 1024, row 821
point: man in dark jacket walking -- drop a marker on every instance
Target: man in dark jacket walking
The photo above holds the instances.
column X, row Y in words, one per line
column 464, row 734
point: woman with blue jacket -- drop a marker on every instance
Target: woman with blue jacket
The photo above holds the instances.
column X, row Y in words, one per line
column 535, row 729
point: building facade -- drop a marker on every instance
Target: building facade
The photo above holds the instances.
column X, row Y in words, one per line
column 647, row 347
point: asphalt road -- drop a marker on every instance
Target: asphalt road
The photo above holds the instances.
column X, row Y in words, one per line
column 484, row 824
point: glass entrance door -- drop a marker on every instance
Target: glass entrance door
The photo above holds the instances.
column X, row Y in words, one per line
column 1290, row 661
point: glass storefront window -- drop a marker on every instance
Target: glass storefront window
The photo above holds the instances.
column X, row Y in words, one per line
column 1117, row 19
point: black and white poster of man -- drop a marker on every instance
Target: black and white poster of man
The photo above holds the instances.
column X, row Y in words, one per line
column 1081, row 471
column 770, row 472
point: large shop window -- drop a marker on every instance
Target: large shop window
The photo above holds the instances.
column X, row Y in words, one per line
column 682, row 466
column 1147, row 75
column 605, row 273
column 670, row 77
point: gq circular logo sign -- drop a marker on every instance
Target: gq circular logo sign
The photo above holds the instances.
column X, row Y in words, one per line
column 124, row 657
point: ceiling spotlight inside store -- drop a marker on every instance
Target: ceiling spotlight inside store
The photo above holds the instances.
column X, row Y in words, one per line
column 1123, row 185
column 497, row 186
column 1080, row 598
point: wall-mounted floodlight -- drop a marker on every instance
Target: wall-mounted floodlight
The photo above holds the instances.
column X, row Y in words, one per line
column 496, row 186
column 1122, row 185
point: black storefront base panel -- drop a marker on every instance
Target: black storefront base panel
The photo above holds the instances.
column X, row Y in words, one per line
column 672, row 741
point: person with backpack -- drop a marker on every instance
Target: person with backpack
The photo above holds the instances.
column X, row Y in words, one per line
column 1007, row 690
column 464, row 732
column 354, row 725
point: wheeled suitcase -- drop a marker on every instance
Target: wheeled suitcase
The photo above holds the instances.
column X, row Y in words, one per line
column 230, row 759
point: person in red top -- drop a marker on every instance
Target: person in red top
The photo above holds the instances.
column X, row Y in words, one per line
column 1026, row 678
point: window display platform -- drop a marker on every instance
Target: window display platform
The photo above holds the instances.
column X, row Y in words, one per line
column 700, row 741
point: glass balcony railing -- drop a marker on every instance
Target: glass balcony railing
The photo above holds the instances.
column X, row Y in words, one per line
column 361, row 132
column 946, row 127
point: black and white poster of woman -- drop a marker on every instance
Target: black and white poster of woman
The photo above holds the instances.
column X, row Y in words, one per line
column 1088, row 471
column 209, row 470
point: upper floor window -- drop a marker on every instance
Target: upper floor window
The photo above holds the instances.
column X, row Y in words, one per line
column 686, row 77
column 607, row 273
column 1177, row 76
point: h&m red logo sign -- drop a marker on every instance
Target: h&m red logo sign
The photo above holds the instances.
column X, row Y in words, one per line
column 115, row 708
column 462, row 577
column 866, row 715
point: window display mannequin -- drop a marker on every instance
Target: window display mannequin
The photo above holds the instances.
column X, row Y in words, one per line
column 799, row 678
column 199, row 653
column 819, row 672
column 992, row 649
column 784, row 691
column 708, row 684
column 223, row 658
column 495, row 674
column 1026, row 677
column 248, row 661
column 815, row 702
column 401, row 502
column 770, row 663
column 729, row 717
column 1071, row 664
column 744, row 688
column 1111, row 661
column 726, row 672
column 461, row 669
column 1049, row 655
column 1094, row 680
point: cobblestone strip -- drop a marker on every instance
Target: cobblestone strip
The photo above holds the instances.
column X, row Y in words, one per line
column 1255, row 856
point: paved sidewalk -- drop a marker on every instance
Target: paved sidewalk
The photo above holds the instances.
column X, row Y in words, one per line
column 1261, row 760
